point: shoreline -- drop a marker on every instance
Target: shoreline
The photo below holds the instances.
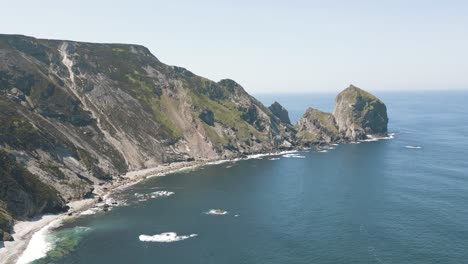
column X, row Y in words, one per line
column 12, row 251
column 24, row 231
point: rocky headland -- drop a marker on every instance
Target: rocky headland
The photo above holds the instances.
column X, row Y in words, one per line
column 78, row 118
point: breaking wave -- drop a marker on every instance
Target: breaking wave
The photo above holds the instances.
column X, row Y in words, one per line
column 216, row 212
column 165, row 237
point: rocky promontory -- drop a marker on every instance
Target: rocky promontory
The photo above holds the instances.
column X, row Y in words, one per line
column 316, row 126
column 357, row 115
column 76, row 116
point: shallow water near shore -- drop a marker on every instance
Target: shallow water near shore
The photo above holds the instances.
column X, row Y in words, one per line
column 401, row 200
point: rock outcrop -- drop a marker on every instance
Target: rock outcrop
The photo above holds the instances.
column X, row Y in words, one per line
column 356, row 115
column 76, row 114
column 280, row 112
column 6, row 224
column 317, row 127
column 359, row 113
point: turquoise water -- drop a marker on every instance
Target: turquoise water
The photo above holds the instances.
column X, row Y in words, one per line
column 376, row 202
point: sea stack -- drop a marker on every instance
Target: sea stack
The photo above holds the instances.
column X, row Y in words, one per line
column 359, row 113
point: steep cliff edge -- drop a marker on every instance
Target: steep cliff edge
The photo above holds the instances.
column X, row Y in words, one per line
column 356, row 115
column 76, row 114
column 359, row 113
column 278, row 110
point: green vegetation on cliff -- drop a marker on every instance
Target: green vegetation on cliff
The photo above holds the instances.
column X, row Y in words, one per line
column 358, row 113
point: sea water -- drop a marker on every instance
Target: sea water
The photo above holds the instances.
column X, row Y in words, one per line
column 402, row 200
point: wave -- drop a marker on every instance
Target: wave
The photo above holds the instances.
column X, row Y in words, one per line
column 161, row 194
column 39, row 245
column 273, row 158
column 293, row 155
column 372, row 138
column 89, row 211
column 158, row 194
column 216, row 212
column 413, row 147
column 165, row 237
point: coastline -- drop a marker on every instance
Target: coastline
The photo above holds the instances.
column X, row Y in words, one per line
column 24, row 231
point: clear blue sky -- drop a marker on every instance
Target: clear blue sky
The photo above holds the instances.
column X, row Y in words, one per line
column 274, row 46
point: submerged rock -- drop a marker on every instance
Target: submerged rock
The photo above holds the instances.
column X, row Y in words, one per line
column 358, row 113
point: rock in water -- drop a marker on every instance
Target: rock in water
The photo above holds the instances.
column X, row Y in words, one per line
column 5, row 236
column 359, row 113
column 317, row 127
column 280, row 112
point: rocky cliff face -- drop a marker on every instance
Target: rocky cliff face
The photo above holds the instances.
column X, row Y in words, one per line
column 281, row 112
column 76, row 114
column 316, row 127
column 357, row 114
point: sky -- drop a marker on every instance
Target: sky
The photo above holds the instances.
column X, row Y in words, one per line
column 273, row 46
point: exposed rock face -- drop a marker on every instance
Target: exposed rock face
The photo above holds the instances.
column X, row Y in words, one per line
column 359, row 113
column 316, row 126
column 207, row 116
column 281, row 112
column 6, row 224
column 76, row 114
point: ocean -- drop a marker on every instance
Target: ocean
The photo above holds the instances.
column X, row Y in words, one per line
column 400, row 200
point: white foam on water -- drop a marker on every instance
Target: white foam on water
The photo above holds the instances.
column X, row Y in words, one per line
column 236, row 215
column 217, row 162
column 161, row 194
column 158, row 194
column 371, row 138
column 323, row 151
column 293, row 155
column 273, row 158
column 413, row 147
column 38, row 245
column 216, row 212
column 257, row 156
column 164, row 237
column 329, row 147
column 89, row 212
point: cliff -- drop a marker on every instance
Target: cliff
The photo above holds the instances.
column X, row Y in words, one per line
column 356, row 115
column 76, row 114
column 281, row 112
column 317, row 127
column 359, row 113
